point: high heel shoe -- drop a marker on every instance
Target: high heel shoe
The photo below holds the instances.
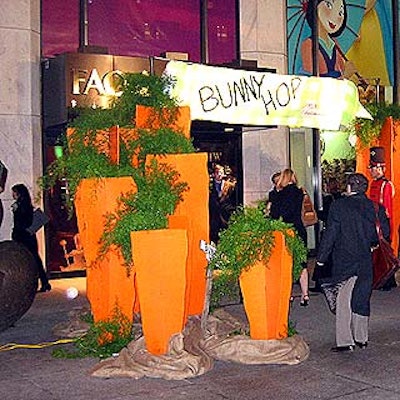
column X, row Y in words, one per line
column 305, row 300
column 45, row 288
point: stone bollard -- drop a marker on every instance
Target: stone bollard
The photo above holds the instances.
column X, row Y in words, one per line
column 18, row 282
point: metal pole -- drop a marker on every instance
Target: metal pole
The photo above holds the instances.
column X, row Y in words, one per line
column 204, row 55
column 237, row 30
column 396, row 43
column 83, row 24
column 314, row 35
column 316, row 136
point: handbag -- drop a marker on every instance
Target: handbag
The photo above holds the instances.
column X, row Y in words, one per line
column 384, row 261
column 308, row 214
column 40, row 219
column 330, row 289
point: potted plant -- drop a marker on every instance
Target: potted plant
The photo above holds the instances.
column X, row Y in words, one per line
column 383, row 131
column 368, row 131
column 264, row 255
column 106, row 146
column 139, row 228
column 96, row 178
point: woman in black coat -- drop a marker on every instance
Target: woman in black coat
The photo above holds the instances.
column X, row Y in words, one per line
column 349, row 237
column 287, row 204
column 23, row 217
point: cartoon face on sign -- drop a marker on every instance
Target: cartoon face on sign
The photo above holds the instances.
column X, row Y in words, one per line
column 338, row 24
column 331, row 17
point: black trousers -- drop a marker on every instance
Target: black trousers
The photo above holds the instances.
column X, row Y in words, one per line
column 30, row 242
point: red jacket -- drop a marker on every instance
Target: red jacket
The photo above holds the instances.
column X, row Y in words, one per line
column 382, row 191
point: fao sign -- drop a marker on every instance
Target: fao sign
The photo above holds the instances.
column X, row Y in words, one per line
column 83, row 81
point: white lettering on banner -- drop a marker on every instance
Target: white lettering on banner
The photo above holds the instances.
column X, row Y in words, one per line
column 254, row 98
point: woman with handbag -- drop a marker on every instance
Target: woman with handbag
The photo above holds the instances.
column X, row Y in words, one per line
column 287, row 204
column 23, row 216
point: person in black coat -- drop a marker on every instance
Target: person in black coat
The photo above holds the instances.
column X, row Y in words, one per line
column 287, row 204
column 222, row 201
column 216, row 187
column 349, row 237
column 23, row 217
column 271, row 196
column 329, row 195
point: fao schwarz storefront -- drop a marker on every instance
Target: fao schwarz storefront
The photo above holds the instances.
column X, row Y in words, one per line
column 74, row 80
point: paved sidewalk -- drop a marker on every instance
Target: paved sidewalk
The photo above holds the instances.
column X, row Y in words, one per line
column 373, row 373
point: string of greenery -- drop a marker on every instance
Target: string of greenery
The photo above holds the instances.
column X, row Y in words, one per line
column 135, row 89
column 158, row 193
column 102, row 340
column 368, row 130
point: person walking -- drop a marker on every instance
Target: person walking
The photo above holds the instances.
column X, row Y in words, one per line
column 3, row 179
column 287, row 204
column 273, row 192
column 350, row 236
column 329, row 195
column 23, row 216
column 382, row 192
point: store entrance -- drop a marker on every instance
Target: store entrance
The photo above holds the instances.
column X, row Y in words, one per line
column 223, row 143
column 64, row 254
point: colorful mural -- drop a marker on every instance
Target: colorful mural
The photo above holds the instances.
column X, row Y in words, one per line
column 355, row 39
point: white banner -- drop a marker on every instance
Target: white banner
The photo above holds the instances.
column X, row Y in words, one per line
column 236, row 96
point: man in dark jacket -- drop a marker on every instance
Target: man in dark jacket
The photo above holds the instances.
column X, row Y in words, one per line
column 350, row 235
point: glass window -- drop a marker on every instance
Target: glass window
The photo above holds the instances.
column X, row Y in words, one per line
column 141, row 27
column 60, row 27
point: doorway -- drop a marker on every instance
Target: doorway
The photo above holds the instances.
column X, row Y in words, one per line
column 223, row 144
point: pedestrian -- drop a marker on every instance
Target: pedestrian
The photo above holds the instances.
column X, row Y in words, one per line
column 329, row 195
column 227, row 198
column 287, row 204
column 3, row 179
column 382, row 192
column 350, row 236
column 216, row 186
column 23, row 217
column 273, row 192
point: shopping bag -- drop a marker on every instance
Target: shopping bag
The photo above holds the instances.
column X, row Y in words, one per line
column 40, row 219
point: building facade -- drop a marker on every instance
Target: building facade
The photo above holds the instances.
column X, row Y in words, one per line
column 262, row 40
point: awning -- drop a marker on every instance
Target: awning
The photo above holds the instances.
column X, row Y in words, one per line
column 236, row 96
